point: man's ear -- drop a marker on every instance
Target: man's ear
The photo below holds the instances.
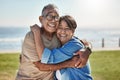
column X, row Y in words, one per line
column 40, row 19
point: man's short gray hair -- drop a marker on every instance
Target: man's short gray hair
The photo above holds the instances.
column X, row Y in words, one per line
column 49, row 6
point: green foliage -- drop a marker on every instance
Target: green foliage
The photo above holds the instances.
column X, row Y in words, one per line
column 104, row 64
column 8, row 66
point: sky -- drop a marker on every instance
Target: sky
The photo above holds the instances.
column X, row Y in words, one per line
column 87, row 13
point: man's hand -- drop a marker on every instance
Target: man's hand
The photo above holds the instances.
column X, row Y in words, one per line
column 72, row 62
column 38, row 64
column 84, row 54
column 83, row 58
column 86, row 43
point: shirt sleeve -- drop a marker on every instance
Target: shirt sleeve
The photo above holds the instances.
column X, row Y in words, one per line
column 58, row 55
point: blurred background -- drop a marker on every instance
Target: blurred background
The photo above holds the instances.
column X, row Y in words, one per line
column 98, row 21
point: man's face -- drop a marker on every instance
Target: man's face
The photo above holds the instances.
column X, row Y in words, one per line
column 50, row 20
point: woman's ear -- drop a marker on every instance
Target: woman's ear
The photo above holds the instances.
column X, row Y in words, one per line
column 40, row 19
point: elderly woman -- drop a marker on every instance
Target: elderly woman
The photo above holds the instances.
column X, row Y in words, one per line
column 70, row 45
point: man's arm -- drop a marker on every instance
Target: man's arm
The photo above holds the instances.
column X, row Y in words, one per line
column 84, row 55
column 54, row 67
column 81, row 62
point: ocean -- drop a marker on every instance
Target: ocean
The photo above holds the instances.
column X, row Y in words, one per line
column 11, row 38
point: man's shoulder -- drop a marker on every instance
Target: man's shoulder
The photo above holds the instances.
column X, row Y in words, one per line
column 29, row 34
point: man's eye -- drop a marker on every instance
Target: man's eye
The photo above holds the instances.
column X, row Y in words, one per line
column 49, row 16
column 56, row 17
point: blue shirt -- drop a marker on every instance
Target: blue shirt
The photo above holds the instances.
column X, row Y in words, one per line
column 66, row 52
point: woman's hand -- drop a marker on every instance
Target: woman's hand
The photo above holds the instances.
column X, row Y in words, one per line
column 35, row 28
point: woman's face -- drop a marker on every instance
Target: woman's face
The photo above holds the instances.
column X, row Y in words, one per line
column 64, row 33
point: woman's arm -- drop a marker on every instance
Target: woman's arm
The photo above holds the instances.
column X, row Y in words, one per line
column 38, row 40
column 40, row 47
column 58, row 55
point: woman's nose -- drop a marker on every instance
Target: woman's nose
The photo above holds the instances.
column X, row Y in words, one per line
column 63, row 31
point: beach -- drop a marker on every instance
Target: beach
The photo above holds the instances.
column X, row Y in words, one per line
column 11, row 38
column 94, row 49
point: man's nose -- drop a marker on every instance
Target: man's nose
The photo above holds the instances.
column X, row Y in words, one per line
column 53, row 20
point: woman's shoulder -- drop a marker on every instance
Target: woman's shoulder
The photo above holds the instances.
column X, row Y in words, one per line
column 74, row 38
